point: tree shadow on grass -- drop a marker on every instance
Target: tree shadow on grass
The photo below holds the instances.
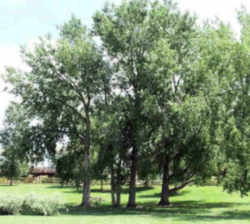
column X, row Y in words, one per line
column 147, row 209
column 195, row 211
column 158, row 195
column 124, row 190
column 6, row 185
column 188, row 210
column 60, row 187
column 71, row 189
column 224, row 216
column 182, row 211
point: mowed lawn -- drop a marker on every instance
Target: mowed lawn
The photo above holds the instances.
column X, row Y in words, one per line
column 192, row 205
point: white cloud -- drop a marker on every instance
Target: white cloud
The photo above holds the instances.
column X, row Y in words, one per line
column 223, row 9
column 9, row 56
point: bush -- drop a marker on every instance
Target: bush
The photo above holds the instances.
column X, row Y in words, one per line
column 30, row 205
column 50, row 180
column 28, row 180
column 4, row 180
column 10, row 205
column 34, row 205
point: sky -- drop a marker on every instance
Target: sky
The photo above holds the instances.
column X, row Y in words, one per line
column 23, row 21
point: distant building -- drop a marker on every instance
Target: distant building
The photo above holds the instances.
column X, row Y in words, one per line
column 45, row 171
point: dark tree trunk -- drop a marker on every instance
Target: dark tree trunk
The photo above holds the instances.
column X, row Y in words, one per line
column 132, row 184
column 118, row 186
column 11, row 181
column 146, row 183
column 86, row 164
column 118, row 197
column 112, row 186
column 165, row 185
column 101, row 185
column 86, row 180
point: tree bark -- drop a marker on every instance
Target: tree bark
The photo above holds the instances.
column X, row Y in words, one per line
column 118, row 196
column 86, row 163
column 146, row 183
column 101, row 185
column 118, row 186
column 132, row 184
column 86, row 180
column 112, row 186
column 165, row 185
column 11, row 181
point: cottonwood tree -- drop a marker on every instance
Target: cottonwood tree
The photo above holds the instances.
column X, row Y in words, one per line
column 114, row 144
column 128, row 34
column 63, row 80
column 235, row 111
column 178, row 96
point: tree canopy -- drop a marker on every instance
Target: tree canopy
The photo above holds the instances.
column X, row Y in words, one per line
column 145, row 92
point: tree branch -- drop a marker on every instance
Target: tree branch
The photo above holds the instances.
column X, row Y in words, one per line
column 181, row 186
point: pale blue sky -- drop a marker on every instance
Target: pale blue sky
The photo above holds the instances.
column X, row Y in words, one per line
column 23, row 21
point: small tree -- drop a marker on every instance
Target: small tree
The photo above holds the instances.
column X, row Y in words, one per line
column 11, row 168
column 14, row 163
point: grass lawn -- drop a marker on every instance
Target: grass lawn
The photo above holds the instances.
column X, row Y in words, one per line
column 192, row 205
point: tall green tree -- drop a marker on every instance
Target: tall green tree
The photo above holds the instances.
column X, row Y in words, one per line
column 114, row 141
column 64, row 79
column 236, row 112
column 128, row 33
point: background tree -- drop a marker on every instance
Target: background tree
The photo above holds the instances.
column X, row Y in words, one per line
column 10, row 168
column 14, row 141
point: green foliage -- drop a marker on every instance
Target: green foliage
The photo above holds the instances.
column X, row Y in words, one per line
column 155, row 89
column 30, row 205
column 58, row 94
column 45, row 206
column 10, row 205
column 69, row 170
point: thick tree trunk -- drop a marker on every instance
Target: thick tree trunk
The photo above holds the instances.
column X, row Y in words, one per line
column 101, row 185
column 132, row 184
column 146, row 183
column 118, row 186
column 86, row 163
column 118, row 197
column 112, row 187
column 165, row 185
column 86, row 180
column 11, row 182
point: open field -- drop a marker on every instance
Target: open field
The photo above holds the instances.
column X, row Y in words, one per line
column 192, row 205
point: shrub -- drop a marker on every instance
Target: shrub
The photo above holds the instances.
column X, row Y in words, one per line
column 34, row 205
column 28, row 180
column 3, row 180
column 50, row 180
column 30, row 205
column 10, row 205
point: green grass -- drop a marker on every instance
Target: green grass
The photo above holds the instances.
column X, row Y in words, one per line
column 192, row 205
